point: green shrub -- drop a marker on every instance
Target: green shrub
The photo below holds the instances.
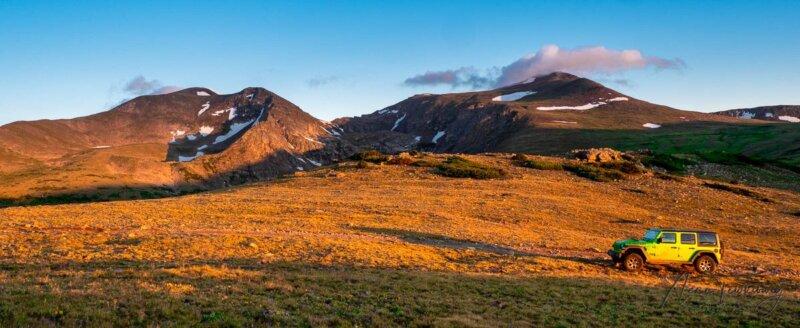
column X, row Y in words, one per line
column 594, row 173
column 624, row 167
column 372, row 156
column 519, row 157
column 6, row 202
column 668, row 162
column 541, row 165
column 401, row 160
column 425, row 162
column 459, row 167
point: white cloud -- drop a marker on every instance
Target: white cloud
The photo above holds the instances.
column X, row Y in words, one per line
column 464, row 76
column 320, row 81
column 139, row 85
column 550, row 58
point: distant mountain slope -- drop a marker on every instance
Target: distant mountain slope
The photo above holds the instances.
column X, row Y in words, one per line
column 784, row 113
column 11, row 161
column 144, row 119
column 178, row 117
column 490, row 120
column 192, row 137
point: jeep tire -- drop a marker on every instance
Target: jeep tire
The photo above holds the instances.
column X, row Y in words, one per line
column 705, row 264
column 632, row 262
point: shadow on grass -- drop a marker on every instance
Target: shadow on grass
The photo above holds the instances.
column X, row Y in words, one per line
column 435, row 240
column 271, row 168
column 440, row 241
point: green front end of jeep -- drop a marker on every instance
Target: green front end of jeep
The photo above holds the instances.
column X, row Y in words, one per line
column 619, row 247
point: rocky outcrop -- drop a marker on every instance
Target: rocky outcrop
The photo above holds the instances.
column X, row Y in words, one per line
column 598, row 155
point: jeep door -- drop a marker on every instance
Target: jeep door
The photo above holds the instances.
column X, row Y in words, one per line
column 687, row 247
column 665, row 249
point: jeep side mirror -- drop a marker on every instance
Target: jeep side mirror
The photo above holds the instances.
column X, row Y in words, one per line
column 659, row 239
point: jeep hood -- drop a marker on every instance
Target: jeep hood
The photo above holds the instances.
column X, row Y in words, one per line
column 630, row 242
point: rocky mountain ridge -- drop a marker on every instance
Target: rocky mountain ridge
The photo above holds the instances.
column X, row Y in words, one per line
column 200, row 138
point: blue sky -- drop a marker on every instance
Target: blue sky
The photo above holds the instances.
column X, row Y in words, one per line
column 343, row 58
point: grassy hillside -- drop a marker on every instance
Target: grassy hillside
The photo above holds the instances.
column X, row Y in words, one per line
column 93, row 174
column 400, row 245
column 767, row 155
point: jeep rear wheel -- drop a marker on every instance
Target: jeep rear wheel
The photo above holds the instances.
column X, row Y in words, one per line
column 705, row 264
column 632, row 262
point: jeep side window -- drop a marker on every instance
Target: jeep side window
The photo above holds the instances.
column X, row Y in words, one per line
column 667, row 238
column 708, row 239
column 687, row 238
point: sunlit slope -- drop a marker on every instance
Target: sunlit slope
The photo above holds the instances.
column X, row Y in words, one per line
column 332, row 232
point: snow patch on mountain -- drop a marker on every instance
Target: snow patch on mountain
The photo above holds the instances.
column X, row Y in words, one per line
column 438, row 136
column 175, row 134
column 260, row 115
column 789, row 119
column 513, row 96
column 234, row 129
column 651, row 125
column 202, row 94
column 618, row 99
column 396, row 123
column 206, row 130
column 747, row 115
column 312, row 140
column 582, row 107
column 204, row 108
column 332, row 131
column 190, row 158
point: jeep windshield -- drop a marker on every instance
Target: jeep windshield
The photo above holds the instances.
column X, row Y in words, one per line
column 651, row 234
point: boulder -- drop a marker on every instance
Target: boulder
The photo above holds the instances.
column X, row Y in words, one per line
column 598, row 155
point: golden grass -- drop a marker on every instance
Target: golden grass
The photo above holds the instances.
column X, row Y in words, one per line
column 528, row 230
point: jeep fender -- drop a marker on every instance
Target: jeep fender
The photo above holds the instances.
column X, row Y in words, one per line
column 698, row 253
column 634, row 249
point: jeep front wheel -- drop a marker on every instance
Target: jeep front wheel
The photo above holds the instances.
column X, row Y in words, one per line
column 632, row 262
column 705, row 264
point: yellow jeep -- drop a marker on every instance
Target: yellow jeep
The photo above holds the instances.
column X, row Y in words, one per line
column 702, row 249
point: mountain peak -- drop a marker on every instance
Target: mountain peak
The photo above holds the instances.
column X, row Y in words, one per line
column 557, row 76
column 557, row 84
